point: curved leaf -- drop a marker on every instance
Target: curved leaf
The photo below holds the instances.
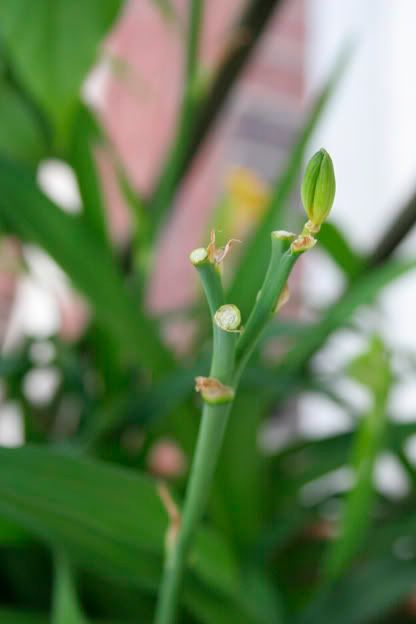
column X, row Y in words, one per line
column 52, row 45
column 70, row 243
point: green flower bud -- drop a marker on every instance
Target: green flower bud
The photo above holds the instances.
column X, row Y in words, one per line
column 318, row 189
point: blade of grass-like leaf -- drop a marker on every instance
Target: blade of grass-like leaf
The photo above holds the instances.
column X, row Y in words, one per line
column 148, row 409
column 362, row 291
column 65, row 605
column 256, row 252
column 218, row 611
column 339, row 249
column 110, row 520
column 373, row 370
column 85, row 138
column 21, row 134
column 141, row 252
column 41, row 47
column 394, row 233
column 365, row 595
column 309, row 460
column 252, row 23
column 164, row 194
column 262, row 596
column 68, row 241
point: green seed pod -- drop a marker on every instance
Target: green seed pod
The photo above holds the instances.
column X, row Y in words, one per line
column 318, row 189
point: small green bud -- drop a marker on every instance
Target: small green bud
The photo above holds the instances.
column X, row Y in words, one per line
column 318, row 189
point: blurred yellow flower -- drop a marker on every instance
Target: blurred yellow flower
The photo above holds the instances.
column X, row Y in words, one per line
column 247, row 192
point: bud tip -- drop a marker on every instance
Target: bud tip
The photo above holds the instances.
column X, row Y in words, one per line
column 318, row 189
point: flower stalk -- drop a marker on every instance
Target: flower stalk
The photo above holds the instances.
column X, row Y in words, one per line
column 232, row 348
column 214, row 421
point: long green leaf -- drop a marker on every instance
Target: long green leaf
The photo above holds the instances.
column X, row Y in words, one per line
column 365, row 595
column 110, row 520
column 69, row 242
column 309, row 460
column 363, row 291
column 21, row 136
column 85, row 139
column 372, row 370
column 256, row 253
column 52, row 45
column 340, row 251
column 65, row 608
column 165, row 192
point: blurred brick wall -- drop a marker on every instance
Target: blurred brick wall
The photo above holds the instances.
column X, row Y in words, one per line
column 255, row 130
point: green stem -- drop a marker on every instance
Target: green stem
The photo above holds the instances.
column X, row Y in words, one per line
column 281, row 263
column 171, row 172
column 211, row 283
column 214, row 417
column 211, row 434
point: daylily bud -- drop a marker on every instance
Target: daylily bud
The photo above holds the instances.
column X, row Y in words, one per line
column 318, row 189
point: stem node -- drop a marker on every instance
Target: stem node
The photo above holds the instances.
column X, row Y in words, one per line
column 213, row 391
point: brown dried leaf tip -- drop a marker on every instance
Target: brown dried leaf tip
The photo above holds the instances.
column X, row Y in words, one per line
column 213, row 391
column 217, row 254
column 303, row 243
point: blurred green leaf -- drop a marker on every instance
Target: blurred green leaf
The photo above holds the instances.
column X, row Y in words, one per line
column 65, row 607
column 52, row 45
column 263, row 600
column 250, row 273
column 364, row 595
column 110, row 520
column 69, row 242
column 9, row 616
column 282, row 328
column 237, row 503
column 362, row 291
column 21, row 136
column 85, row 139
column 64, row 499
column 167, row 9
column 372, row 369
column 140, row 224
column 10, row 533
column 309, row 460
column 339, row 249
